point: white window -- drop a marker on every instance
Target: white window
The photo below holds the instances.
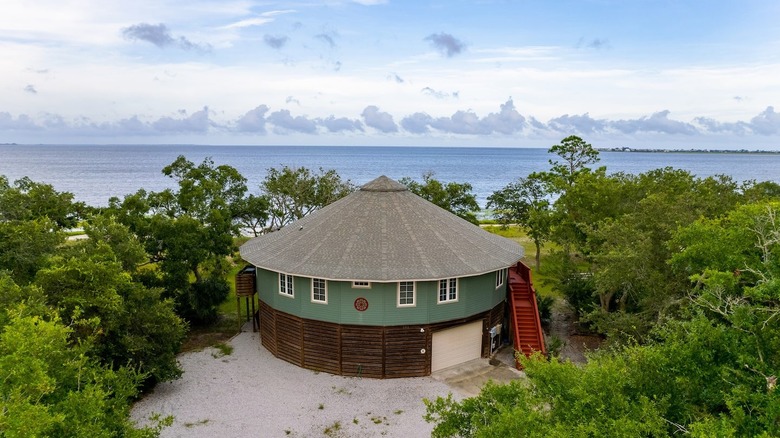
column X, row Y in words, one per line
column 361, row 284
column 448, row 290
column 406, row 294
column 286, row 285
column 319, row 290
column 500, row 277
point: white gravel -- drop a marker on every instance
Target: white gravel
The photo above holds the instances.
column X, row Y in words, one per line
column 250, row 393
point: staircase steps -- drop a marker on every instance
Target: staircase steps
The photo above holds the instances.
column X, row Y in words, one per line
column 526, row 324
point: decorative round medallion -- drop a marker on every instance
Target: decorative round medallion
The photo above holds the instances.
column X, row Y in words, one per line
column 361, row 304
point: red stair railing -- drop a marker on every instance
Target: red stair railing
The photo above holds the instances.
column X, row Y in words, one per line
column 524, row 309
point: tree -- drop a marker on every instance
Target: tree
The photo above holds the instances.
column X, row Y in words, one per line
column 525, row 202
column 754, row 191
column 616, row 228
column 32, row 216
column 456, row 198
column 294, row 193
column 50, row 386
column 252, row 212
column 565, row 174
column 711, row 371
column 25, row 246
column 576, row 156
column 106, row 230
column 188, row 232
column 26, row 200
column 558, row 400
column 629, row 251
column 205, row 187
column 129, row 323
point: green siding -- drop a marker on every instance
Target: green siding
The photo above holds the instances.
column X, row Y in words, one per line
column 376, row 297
column 416, row 314
column 475, row 295
column 267, row 286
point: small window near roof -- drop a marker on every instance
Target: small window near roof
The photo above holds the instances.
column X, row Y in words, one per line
column 500, row 277
column 406, row 294
column 319, row 290
column 448, row 290
column 361, row 284
column 286, row 285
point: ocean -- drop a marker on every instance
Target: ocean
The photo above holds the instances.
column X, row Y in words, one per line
column 94, row 173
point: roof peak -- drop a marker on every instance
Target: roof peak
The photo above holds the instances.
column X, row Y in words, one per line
column 384, row 184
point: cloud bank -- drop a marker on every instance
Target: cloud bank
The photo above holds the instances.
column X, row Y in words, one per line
column 372, row 122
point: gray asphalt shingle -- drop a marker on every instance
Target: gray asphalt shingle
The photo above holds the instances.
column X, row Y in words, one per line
column 382, row 233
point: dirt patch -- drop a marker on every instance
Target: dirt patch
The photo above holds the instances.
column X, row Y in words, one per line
column 199, row 341
column 199, row 338
column 575, row 343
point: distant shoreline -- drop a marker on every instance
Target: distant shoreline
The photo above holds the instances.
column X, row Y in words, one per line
column 688, row 151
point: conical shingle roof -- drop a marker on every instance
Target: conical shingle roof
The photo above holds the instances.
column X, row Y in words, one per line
column 382, row 233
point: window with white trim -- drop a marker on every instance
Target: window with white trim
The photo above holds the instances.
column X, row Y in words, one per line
column 286, row 285
column 448, row 290
column 319, row 290
column 500, row 277
column 406, row 294
column 361, row 284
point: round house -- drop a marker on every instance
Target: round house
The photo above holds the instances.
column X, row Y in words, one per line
column 381, row 283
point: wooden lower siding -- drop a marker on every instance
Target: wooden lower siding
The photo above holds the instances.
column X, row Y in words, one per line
column 358, row 350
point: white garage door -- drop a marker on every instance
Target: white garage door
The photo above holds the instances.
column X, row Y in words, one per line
column 456, row 345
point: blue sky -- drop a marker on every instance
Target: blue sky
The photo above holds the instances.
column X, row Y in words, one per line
column 638, row 73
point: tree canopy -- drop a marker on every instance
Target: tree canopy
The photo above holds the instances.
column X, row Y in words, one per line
column 681, row 274
column 78, row 336
column 292, row 193
column 188, row 232
column 526, row 202
column 711, row 371
column 454, row 197
column 26, row 200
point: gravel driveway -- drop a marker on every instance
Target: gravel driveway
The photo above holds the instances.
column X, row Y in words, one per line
column 250, row 393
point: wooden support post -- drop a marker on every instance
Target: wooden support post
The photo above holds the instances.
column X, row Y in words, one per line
column 238, row 311
column 254, row 326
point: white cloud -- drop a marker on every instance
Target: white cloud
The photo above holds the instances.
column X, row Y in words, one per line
column 767, row 122
column 657, row 122
column 506, row 126
column 584, row 124
column 253, row 120
column 379, row 120
column 198, row 122
column 417, row 123
column 285, row 122
column 261, row 19
column 341, row 124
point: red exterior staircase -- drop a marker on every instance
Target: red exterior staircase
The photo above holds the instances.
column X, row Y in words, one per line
column 526, row 324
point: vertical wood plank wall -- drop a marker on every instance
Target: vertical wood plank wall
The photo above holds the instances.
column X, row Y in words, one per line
column 355, row 350
column 246, row 282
